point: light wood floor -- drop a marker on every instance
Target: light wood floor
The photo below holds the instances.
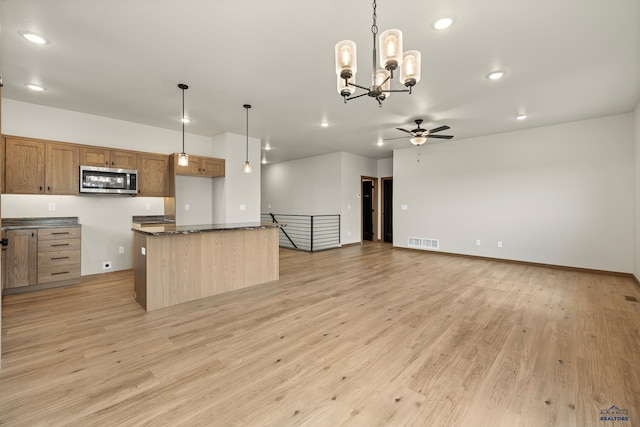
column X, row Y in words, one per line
column 360, row 336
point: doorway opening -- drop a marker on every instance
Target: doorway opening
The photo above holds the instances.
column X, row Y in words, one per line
column 369, row 197
column 387, row 209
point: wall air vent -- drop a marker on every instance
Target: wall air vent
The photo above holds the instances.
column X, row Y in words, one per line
column 422, row 243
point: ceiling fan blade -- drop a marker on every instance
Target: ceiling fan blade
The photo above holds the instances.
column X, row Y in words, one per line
column 404, row 130
column 399, row 137
column 439, row 129
column 440, row 136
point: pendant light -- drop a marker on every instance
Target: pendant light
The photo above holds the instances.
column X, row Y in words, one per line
column 183, row 160
column 391, row 58
column 247, row 164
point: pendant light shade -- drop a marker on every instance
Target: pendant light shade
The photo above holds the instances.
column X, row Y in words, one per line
column 391, row 49
column 410, row 69
column 183, row 159
column 247, row 164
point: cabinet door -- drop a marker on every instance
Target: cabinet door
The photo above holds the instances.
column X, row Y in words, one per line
column 212, row 167
column 152, row 174
column 24, row 166
column 193, row 168
column 123, row 159
column 94, row 156
column 62, row 168
column 21, row 258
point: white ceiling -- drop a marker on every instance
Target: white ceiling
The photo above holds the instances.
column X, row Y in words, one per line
column 565, row 60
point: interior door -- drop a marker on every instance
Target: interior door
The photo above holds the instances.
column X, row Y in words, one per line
column 367, row 210
column 387, row 210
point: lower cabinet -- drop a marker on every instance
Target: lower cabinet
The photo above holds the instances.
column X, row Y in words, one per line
column 38, row 258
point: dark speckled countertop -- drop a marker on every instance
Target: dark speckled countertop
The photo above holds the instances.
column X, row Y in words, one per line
column 44, row 222
column 169, row 229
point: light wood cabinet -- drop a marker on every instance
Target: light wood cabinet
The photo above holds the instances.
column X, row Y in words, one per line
column 199, row 166
column 62, row 169
column 41, row 167
column 24, row 171
column 153, row 172
column 20, row 258
column 100, row 156
column 38, row 258
column 58, row 255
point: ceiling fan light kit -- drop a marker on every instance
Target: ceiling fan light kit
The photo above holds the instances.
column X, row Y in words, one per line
column 391, row 59
column 419, row 135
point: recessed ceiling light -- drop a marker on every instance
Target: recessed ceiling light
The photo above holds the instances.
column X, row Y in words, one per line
column 521, row 116
column 495, row 75
column 34, row 87
column 33, row 37
column 264, row 161
column 324, row 124
column 443, row 23
column 380, row 143
column 185, row 119
column 267, row 147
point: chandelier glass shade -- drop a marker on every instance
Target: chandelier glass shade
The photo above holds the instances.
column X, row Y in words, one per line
column 391, row 59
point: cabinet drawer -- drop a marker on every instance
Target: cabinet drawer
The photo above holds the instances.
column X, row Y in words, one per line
column 51, row 259
column 58, row 245
column 58, row 273
column 58, row 233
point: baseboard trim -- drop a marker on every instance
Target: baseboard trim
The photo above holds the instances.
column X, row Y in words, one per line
column 533, row 264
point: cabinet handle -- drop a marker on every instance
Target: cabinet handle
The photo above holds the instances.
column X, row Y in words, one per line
column 41, row 188
column 113, row 163
column 48, row 188
column 106, row 163
column 61, row 232
column 62, row 272
column 61, row 244
column 60, row 257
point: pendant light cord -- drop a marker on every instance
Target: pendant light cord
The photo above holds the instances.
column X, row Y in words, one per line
column 182, row 120
column 247, row 106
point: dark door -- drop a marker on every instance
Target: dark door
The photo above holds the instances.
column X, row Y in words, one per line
column 367, row 210
column 387, row 210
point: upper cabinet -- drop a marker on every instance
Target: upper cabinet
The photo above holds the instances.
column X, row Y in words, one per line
column 40, row 167
column 199, row 166
column 153, row 172
column 100, row 156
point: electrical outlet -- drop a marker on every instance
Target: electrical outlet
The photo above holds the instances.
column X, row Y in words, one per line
column 478, row 242
column 121, row 249
column 187, row 207
column 52, row 206
column 499, row 244
column 106, row 265
column 147, row 207
column 243, row 207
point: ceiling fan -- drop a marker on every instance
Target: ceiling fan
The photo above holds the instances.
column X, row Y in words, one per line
column 419, row 135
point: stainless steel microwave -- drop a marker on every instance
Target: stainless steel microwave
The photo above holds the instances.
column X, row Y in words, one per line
column 108, row 180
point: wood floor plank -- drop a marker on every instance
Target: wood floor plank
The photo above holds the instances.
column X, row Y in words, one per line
column 360, row 336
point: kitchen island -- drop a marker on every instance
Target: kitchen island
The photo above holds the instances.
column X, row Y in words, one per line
column 175, row 264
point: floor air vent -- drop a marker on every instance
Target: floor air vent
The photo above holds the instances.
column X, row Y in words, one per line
column 422, row 243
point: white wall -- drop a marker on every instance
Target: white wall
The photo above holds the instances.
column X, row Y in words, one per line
column 385, row 167
column 320, row 185
column 310, row 186
column 236, row 198
column 106, row 220
column 636, row 216
column 559, row 195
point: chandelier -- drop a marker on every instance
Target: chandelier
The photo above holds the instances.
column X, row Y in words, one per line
column 391, row 58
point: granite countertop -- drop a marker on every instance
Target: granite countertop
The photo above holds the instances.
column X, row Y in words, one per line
column 151, row 219
column 169, row 229
column 44, row 222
